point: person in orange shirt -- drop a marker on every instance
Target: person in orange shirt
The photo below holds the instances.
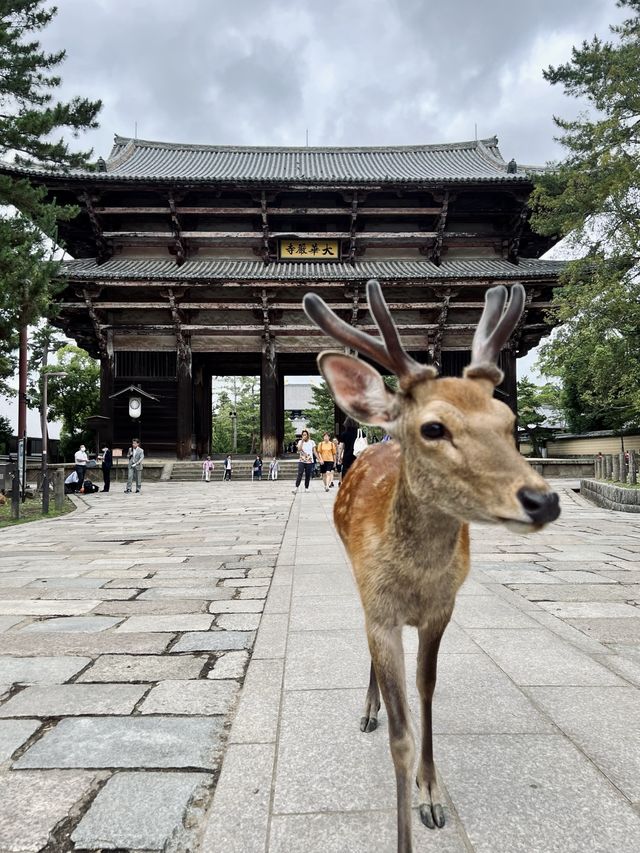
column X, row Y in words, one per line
column 327, row 452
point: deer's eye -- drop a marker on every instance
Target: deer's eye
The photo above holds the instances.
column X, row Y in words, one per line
column 432, row 431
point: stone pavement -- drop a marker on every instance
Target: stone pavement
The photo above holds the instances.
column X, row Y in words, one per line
column 126, row 634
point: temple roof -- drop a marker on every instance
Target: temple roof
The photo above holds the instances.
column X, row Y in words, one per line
column 132, row 269
column 143, row 160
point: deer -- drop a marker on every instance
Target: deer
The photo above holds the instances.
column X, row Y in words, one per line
column 404, row 508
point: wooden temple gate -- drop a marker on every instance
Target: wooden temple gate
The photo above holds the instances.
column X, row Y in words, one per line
column 191, row 262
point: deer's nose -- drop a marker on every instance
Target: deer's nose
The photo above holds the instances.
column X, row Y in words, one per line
column 541, row 507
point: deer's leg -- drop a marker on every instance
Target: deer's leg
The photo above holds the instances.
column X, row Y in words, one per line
column 388, row 660
column 431, row 810
column 369, row 719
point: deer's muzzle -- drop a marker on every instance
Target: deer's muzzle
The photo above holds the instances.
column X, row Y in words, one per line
column 541, row 507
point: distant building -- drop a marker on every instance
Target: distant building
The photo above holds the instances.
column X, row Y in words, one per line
column 298, row 398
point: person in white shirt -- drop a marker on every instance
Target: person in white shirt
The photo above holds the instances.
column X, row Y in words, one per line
column 306, row 455
column 81, row 460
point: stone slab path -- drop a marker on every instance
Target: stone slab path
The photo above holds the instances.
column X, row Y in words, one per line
column 130, row 721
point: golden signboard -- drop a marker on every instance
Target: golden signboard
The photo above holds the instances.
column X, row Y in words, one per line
column 290, row 249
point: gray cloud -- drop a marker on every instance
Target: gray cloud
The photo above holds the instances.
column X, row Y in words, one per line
column 353, row 71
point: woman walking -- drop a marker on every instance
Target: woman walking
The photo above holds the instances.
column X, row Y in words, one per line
column 306, row 455
column 256, row 471
column 327, row 454
column 207, row 469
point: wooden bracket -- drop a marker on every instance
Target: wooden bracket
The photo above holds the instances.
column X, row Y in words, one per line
column 179, row 247
column 352, row 229
column 104, row 249
column 436, row 249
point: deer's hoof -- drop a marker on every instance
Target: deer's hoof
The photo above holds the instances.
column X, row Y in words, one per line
column 368, row 724
column 432, row 815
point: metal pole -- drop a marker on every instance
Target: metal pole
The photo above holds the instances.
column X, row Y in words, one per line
column 45, row 474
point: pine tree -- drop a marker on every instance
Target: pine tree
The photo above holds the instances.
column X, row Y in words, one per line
column 592, row 195
column 30, row 119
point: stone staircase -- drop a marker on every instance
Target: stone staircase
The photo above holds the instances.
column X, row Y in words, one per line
column 192, row 471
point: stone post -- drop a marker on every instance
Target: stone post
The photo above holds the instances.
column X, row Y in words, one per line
column 596, row 467
column 608, row 467
column 633, row 471
column 58, row 488
column 623, row 467
column 615, row 473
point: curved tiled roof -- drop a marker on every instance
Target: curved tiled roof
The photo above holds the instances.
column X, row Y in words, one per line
column 131, row 269
column 138, row 160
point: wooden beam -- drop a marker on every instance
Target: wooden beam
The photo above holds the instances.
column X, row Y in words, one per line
column 158, row 210
column 279, row 306
column 286, row 331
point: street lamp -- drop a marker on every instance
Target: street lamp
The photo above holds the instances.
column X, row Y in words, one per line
column 234, row 424
column 43, row 416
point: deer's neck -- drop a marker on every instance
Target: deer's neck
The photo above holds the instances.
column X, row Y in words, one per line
column 421, row 526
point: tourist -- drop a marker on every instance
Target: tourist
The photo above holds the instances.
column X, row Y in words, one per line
column 72, row 484
column 207, row 469
column 81, row 460
column 135, row 456
column 327, row 454
column 274, row 467
column 228, row 467
column 107, row 464
column 306, row 456
column 347, row 438
column 256, row 471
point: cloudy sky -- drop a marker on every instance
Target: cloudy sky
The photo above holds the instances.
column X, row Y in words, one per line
column 352, row 72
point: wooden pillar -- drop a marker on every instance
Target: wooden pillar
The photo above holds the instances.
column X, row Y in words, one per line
column 339, row 418
column 509, row 385
column 184, row 424
column 106, row 390
column 269, row 382
column 280, row 412
column 202, row 410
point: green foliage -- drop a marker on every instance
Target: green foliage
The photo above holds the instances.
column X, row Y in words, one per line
column 531, row 399
column 74, row 397
column 30, row 119
column 593, row 196
column 596, row 352
column 5, row 434
column 240, row 394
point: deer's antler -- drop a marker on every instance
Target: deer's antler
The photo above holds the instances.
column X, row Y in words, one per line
column 494, row 330
column 388, row 353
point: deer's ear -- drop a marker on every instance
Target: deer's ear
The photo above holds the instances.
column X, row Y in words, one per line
column 359, row 389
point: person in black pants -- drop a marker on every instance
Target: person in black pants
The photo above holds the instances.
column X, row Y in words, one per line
column 345, row 450
column 107, row 463
column 307, row 455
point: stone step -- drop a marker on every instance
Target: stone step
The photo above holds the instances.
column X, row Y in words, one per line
column 192, row 471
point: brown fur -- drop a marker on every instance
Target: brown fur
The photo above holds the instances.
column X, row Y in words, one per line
column 404, row 509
